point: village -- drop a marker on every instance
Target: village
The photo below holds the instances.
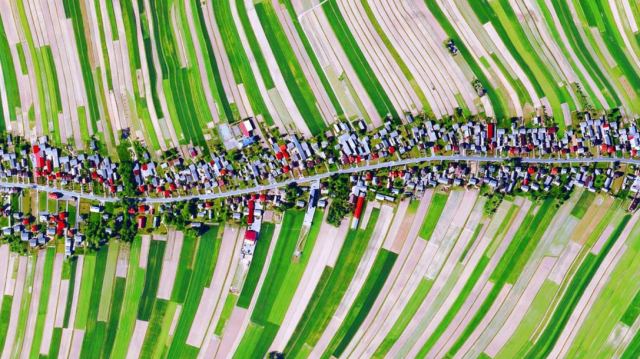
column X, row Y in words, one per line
column 260, row 161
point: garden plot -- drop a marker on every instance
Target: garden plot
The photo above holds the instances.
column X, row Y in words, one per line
column 239, row 319
column 475, row 39
column 595, row 287
column 53, row 305
column 450, row 312
column 323, row 101
column 435, row 73
column 213, row 296
column 450, row 246
column 278, row 77
column 19, row 295
column 364, row 267
column 170, row 263
column 320, row 258
column 352, row 93
column 376, row 54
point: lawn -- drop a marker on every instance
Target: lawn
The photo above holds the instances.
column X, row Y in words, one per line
column 331, row 288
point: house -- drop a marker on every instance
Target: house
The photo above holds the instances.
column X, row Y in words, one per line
column 142, row 222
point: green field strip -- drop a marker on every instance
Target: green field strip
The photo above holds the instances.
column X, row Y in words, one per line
column 314, row 59
column 211, row 66
column 503, row 19
column 572, row 295
column 5, row 316
column 294, row 77
column 496, row 97
column 577, row 42
column 103, row 46
column 363, row 69
column 56, row 339
column 132, row 294
column 156, row 319
column 519, row 342
column 24, row 306
column 73, row 11
column 41, row 81
column 511, row 263
column 278, row 288
column 192, row 58
column 515, row 82
column 254, row 45
column 330, row 290
column 633, row 310
column 152, row 279
column 155, row 343
column 44, row 301
column 136, row 99
column 585, row 201
column 95, row 331
column 84, row 296
column 409, row 310
column 191, row 115
column 108, row 280
column 227, row 309
column 363, row 303
column 434, row 212
column 73, row 265
column 148, row 50
column 112, row 21
column 114, row 315
column 598, row 14
column 238, row 58
column 10, row 77
column 21, row 57
column 257, row 265
column 633, row 349
column 396, row 56
column 206, row 257
column 185, row 268
column 617, row 304
column 564, row 47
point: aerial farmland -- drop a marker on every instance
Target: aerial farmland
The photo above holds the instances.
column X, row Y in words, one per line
column 320, row 179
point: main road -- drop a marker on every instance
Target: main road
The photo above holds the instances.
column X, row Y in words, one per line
column 350, row 170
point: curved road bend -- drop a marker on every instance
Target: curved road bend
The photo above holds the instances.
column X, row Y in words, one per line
column 321, row 176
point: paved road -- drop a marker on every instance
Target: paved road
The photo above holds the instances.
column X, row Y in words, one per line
column 349, row 170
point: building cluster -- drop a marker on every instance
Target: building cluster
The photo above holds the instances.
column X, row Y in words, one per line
column 37, row 231
column 48, row 164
